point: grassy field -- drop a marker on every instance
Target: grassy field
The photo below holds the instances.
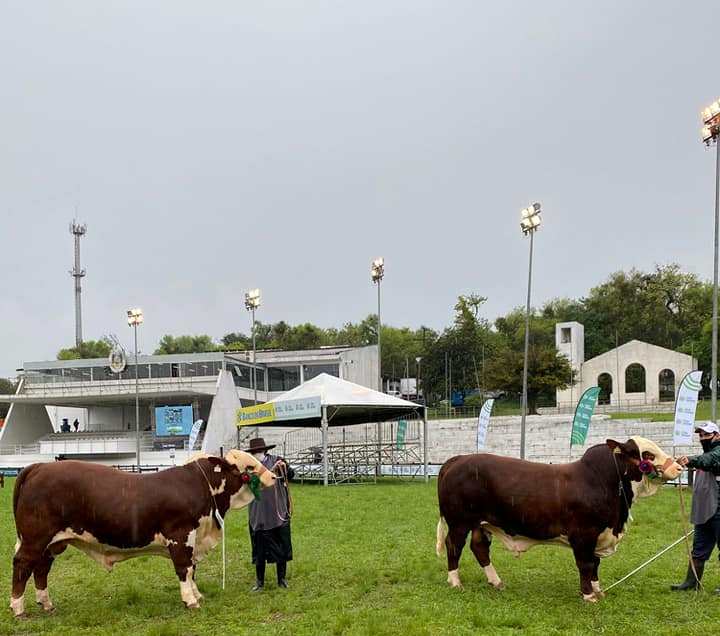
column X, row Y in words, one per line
column 703, row 413
column 365, row 564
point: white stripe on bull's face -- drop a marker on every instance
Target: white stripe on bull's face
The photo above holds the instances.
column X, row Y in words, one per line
column 241, row 498
column 666, row 467
column 245, row 461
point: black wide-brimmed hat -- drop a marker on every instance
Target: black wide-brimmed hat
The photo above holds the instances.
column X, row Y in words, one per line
column 257, row 444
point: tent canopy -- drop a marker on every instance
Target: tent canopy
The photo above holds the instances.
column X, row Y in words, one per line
column 346, row 403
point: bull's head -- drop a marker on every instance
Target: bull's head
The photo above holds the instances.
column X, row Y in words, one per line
column 249, row 471
column 645, row 464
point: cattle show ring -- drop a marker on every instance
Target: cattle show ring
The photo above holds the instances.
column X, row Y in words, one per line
column 379, row 531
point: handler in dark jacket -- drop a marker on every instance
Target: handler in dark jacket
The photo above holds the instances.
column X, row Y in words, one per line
column 705, row 510
column 269, row 518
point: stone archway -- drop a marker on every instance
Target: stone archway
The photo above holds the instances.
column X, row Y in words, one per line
column 635, row 378
column 666, row 383
column 605, row 382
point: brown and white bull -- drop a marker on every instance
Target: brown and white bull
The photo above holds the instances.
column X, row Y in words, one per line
column 583, row 505
column 112, row 516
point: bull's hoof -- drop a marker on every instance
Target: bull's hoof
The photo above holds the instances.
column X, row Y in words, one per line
column 21, row 617
column 599, row 594
column 498, row 586
column 590, row 598
column 195, row 605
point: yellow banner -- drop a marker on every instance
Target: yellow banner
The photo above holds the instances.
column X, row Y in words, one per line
column 254, row 415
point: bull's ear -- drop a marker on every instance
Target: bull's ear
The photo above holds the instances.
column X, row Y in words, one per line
column 616, row 447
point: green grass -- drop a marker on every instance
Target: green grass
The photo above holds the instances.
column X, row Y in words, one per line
column 365, row 564
column 703, row 413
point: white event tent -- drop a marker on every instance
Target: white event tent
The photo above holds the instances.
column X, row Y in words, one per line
column 343, row 403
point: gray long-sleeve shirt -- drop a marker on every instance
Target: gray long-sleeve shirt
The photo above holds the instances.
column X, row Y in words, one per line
column 272, row 510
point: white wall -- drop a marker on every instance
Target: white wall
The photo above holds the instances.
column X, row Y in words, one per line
column 653, row 358
column 25, row 424
column 360, row 366
column 57, row 413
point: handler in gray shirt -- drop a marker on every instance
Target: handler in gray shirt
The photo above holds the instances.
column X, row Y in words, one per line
column 705, row 511
column 269, row 518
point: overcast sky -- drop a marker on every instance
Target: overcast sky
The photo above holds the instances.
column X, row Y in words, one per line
column 212, row 147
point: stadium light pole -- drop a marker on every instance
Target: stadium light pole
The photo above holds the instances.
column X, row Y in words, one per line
column 377, row 271
column 135, row 318
column 252, row 302
column 417, row 378
column 710, row 132
column 530, row 220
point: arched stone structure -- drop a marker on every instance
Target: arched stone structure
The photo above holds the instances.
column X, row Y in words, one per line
column 630, row 391
column 605, row 382
column 635, row 378
column 666, row 385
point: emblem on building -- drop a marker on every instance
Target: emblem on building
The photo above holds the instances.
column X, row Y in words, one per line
column 118, row 360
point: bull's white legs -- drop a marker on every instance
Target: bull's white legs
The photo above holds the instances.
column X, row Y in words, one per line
column 43, row 598
column 597, row 590
column 195, row 590
column 454, row 578
column 17, row 605
column 186, row 590
column 493, row 578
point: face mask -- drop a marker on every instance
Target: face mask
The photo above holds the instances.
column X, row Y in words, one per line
column 259, row 456
column 707, row 444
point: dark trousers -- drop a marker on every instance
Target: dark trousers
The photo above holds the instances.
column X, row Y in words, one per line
column 706, row 537
column 260, row 570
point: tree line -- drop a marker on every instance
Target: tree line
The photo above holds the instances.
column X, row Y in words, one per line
column 666, row 307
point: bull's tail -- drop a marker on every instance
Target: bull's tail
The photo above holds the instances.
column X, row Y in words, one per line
column 19, row 484
column 442, row 531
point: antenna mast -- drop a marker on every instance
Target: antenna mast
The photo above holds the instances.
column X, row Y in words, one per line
column 78, row 231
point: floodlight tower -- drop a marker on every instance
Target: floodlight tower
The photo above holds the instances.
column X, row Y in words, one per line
column 78, row 231
column 530, row 220
column 377, row 271
column 252, row 302
column 135, row 318
column 710, row 133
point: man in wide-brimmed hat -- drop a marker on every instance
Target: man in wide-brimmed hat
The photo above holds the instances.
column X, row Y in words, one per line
column 269, row 518
column 705, row 512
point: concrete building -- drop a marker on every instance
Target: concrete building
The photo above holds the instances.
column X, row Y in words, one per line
column 174, row 391
column 634, row 374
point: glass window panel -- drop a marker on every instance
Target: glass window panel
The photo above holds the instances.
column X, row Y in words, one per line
column 283, row 378
column 313, row 370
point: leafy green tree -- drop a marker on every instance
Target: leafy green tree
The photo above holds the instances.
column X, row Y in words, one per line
column 87, row 349
column 185, row 344
column 548, row 371
column 461, row 348
column 7, row 387
column 235, row 341
column 305, row 336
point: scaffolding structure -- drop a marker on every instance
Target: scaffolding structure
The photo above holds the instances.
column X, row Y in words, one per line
column 355, row 455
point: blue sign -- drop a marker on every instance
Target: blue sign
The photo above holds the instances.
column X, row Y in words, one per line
column 173, row 420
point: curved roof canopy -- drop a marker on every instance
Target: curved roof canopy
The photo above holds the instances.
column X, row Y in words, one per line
column 346, row 403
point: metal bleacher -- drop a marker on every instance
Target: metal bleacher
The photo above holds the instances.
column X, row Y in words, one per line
column 354, row 456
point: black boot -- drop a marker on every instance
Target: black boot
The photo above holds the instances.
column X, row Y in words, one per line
column 690, row 582
column 259, row 577
column 282, row 574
